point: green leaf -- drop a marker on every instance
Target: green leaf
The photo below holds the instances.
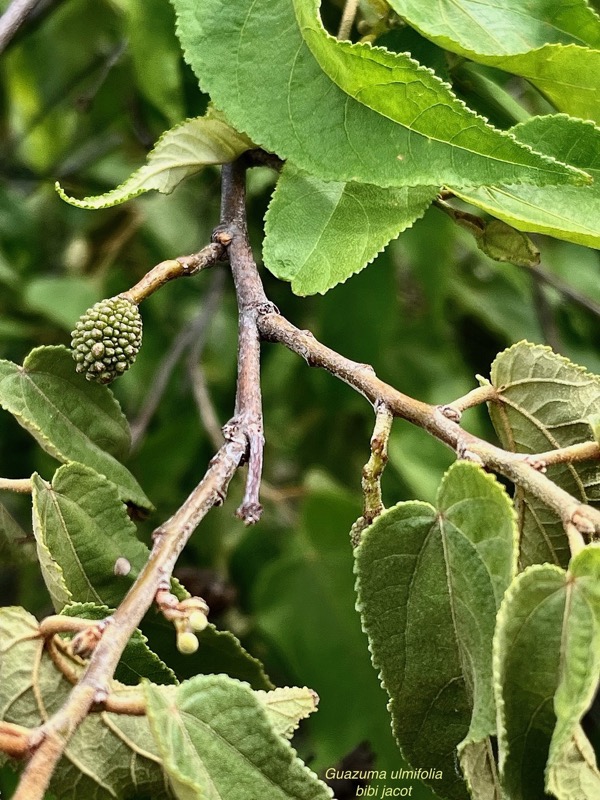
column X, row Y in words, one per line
column 319, row 233
column 546, row 668
column 138, row 661
column 543, row 403
column 71, row 418
column 110, row 755
column 285, row 707
column 572, row 772
column 179, row 152
column 429, row 584
column 156, row 55
column 216, row 741
column 85, row 526
column 488, row 27
column 544, row 42
column 14, row 547
column 340, row 111
column 569, row 213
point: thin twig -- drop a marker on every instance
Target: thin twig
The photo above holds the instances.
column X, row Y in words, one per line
column 192, row 334
column 545, row 316
column 182, row 267
column 582, row 451
column 347, row 21
column 23, row 485
column 481, row 394
column 12, row 19
column 362, row 378
column 204, row 403
column 247, row 421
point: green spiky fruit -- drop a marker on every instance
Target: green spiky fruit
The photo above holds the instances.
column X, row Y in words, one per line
column 107, row 339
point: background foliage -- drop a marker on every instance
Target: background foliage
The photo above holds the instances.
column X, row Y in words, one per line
column 430, row 313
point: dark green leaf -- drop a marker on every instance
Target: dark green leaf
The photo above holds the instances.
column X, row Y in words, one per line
column 429, row 585
column 546, row 669
column 544, row 402
column 85, row 527
column 72, row 419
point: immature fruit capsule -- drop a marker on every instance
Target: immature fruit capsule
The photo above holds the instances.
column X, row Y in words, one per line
column 107, row 339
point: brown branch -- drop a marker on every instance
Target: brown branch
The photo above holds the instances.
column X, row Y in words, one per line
column 582, row 451
column 481, row 394
column 174, row 268
column 94, row 686
column 567, row 291
column 362, row 378
column 247, row 422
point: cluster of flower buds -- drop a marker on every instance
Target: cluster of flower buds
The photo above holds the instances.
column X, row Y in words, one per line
column 189, row 617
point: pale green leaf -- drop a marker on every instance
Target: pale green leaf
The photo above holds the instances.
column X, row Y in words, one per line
column 71, row 418
column 570, row 213
column 180, row 152
column 543, row 403
column 52, row 573
column 542, row 41
column 574, row 774
column 546, row 669
column 340, row 111
column 501, row 27
column 286, row 706
column 319, row 233
column 110, row 755
column 86, row 528
column 217, row 744
column 14, row 545
column 429, row 584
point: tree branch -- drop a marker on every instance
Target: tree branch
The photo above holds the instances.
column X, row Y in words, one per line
column 22, row 485
column 174, row 268
column 12, row 19
column 50, row 740
column 362, row 378
column 247, row 422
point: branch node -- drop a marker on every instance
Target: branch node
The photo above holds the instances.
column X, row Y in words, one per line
column 463, row 453
column 223, row 234
column 84, row 643
column 537, row 463
column 583, row 521
column 249, row 512
column 451, row 413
